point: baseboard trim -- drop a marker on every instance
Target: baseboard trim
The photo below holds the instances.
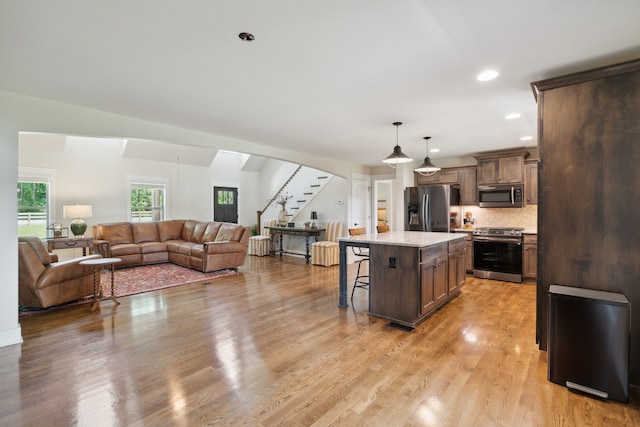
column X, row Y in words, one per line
column 11, row 336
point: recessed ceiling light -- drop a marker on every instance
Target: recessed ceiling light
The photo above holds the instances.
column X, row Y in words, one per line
column 434, row 150
column 512, row 116
column 487, row 75
column 248, row 37
column 526, row 138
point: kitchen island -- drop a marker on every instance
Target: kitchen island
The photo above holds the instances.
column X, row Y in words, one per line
column 411, row 273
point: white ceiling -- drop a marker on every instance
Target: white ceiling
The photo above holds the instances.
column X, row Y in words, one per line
column 324, row 77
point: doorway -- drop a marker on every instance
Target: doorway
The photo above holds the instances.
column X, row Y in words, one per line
column 383, row 204
column 225, row 204
column 360, row 203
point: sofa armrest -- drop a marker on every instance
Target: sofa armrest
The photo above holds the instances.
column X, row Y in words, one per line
column 54, row 257
column 223, row 247
column 103, row 247
column 66, row 270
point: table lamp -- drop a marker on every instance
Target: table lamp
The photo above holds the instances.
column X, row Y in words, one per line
column 314, row 217
column 77, row 226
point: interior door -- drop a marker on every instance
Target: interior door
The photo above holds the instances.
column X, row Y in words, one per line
column 360, row 203
column 225, row 204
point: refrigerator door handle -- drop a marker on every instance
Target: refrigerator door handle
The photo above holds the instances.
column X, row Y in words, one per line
column 425, row 207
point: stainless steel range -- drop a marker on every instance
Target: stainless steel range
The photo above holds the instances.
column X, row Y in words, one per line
column 497, row 253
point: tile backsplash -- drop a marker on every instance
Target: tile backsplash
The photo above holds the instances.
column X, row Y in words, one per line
column 526, row 217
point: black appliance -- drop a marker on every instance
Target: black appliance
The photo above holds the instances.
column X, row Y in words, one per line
column 427, row 207
column 497, row 253
column 501, row 196
column 588, row 346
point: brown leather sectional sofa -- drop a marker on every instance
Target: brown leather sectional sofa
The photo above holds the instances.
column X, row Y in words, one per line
column 203, row 246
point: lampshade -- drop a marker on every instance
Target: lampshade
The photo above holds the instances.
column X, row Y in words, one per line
column 77, row 211
column 77, row 226
column 427, row 168
column 397, row 158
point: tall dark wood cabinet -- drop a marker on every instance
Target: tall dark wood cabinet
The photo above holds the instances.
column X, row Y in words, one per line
column 589, row 189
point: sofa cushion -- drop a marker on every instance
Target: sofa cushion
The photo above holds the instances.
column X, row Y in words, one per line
column 150, row 247
column 197, row 250
column 198, row 232
column 116, row 233
column 185, row 247
column 145, row 232
column 124, row 249
column 211, row 231
column 187, row 230
column 170, row 230
column 229, row 232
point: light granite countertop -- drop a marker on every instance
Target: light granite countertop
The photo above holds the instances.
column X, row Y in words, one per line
column 418, row 239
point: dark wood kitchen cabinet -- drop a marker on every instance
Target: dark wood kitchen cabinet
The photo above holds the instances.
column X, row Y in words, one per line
column 457, row 268
column 501, row 168
column 589, row 200
column 443, row 176
column 433, row 281
column 440, row 280
column 433, row 277
column 468, row 252
column 468, row 186
column 407, row 284
column 531, row 182
column 530, row 257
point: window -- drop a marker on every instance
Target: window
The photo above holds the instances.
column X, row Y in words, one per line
column 226, row 197
column 33, row 206
column 147, row 202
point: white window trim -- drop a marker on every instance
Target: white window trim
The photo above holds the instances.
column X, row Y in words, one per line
column 138, row 181
column 26, row 174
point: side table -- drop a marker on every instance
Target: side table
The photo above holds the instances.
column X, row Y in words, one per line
column 71, row 243
column 97, row 264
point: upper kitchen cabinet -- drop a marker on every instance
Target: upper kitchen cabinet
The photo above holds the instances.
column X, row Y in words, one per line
column 443, row 176
column 468, row 186
column 465, row 177
column 501, row 168
column 531, row 182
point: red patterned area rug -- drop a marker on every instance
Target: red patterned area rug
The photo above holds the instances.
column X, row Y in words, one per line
column 137, row 280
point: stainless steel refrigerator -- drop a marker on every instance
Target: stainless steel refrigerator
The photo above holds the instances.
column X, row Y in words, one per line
column 427, row 207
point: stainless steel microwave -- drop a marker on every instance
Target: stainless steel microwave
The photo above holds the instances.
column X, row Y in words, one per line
column 501, row 196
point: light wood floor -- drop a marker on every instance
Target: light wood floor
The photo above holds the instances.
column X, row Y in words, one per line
column 271, row 347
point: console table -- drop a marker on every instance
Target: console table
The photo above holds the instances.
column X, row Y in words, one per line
column 307, row 233
column 71, row 243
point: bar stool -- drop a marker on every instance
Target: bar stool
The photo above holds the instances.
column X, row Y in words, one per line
column 362, row 280
column 382, row 228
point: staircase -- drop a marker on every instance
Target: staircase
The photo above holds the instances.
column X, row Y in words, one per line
column 303, row 185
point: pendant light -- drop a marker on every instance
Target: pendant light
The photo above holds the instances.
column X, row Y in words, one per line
column 397, row 158
column 427, row 168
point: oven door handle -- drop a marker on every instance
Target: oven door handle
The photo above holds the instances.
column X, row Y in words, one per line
column 515, row 240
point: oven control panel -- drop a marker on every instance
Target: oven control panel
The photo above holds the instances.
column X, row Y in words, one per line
column 498, row 232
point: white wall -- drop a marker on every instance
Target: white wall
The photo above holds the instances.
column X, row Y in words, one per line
column 9, row 326
column 93, row 171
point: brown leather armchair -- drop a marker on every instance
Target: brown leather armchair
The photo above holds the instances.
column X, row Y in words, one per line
column 43, row 281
